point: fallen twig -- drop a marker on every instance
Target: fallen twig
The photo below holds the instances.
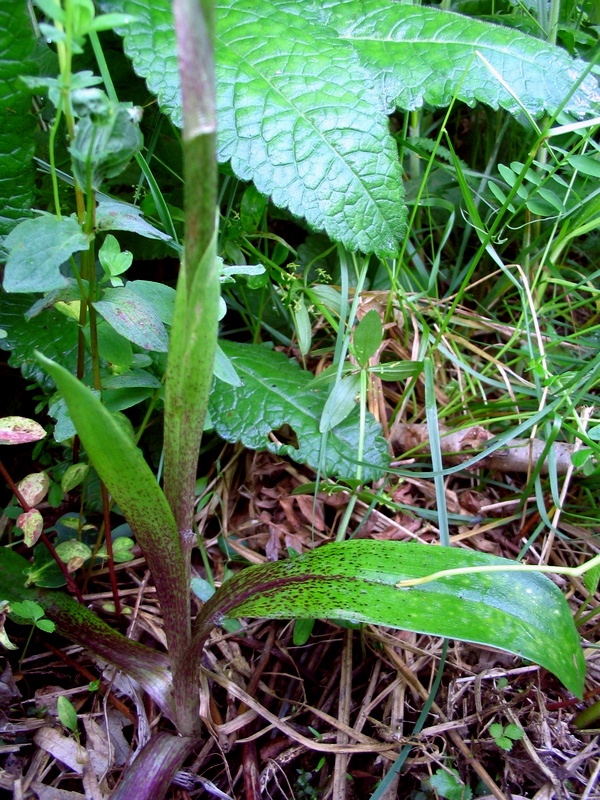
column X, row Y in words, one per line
column 518, row 455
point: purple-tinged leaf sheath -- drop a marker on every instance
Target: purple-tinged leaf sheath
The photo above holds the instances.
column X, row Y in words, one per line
column 149, row 668
column 152, row 772
column 194, row 27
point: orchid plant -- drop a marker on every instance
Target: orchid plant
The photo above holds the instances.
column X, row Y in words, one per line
column 359, row 580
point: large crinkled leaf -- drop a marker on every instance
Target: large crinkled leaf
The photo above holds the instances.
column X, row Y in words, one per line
column 275, row 393
column 521, row 612
column 423, row 55
column 303, row 89
column 58, row 334
column 298, row 115
column 17, row 131
column 301, row 118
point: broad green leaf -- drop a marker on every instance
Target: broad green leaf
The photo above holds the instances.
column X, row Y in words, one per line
column 522, row 612
column 129, row 479
column 17, row 133
column 114, row 262
column 158, row 295
column 447, row 784
column 276, row 392
column 71, row 550
column 302, row 119
column 423, row 55
column 73, row 476
column 104, row 143
column 36, row 250
column 44, row 571
column 121, row 550
column 133, row 318
column 27, row 610
column 113, row 215
column 113, row 347
column 587, row 165
column 303, row 89
column 305, row 123
column 136, row 379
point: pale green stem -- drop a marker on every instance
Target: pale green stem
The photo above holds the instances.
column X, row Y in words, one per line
column 573, row 572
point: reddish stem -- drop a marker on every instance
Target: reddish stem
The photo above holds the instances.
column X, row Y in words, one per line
column 109, row 548
column 72, row 586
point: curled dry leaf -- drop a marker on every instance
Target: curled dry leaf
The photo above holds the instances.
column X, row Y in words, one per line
column 20, row 430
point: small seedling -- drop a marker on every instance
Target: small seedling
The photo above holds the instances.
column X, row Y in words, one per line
column 506, row 737
column 28, row 612
column 67, row 714
column 447, row 784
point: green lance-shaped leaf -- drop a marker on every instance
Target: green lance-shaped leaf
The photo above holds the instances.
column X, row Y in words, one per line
column 17, row 133
column 82, row 626
column 129, row 479
column 523, row 613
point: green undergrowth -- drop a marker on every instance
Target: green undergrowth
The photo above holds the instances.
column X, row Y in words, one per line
column 406, row 234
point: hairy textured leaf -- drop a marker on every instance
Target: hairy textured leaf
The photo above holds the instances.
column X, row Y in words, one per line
column 17, row 131
column 523, row 613
column 301, row 118
column 274, row 393
column 423, row 55
column 305, row 123
column 303, row 89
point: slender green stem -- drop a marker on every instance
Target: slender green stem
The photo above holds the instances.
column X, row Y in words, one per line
column 52, row 159
column 573, row 572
